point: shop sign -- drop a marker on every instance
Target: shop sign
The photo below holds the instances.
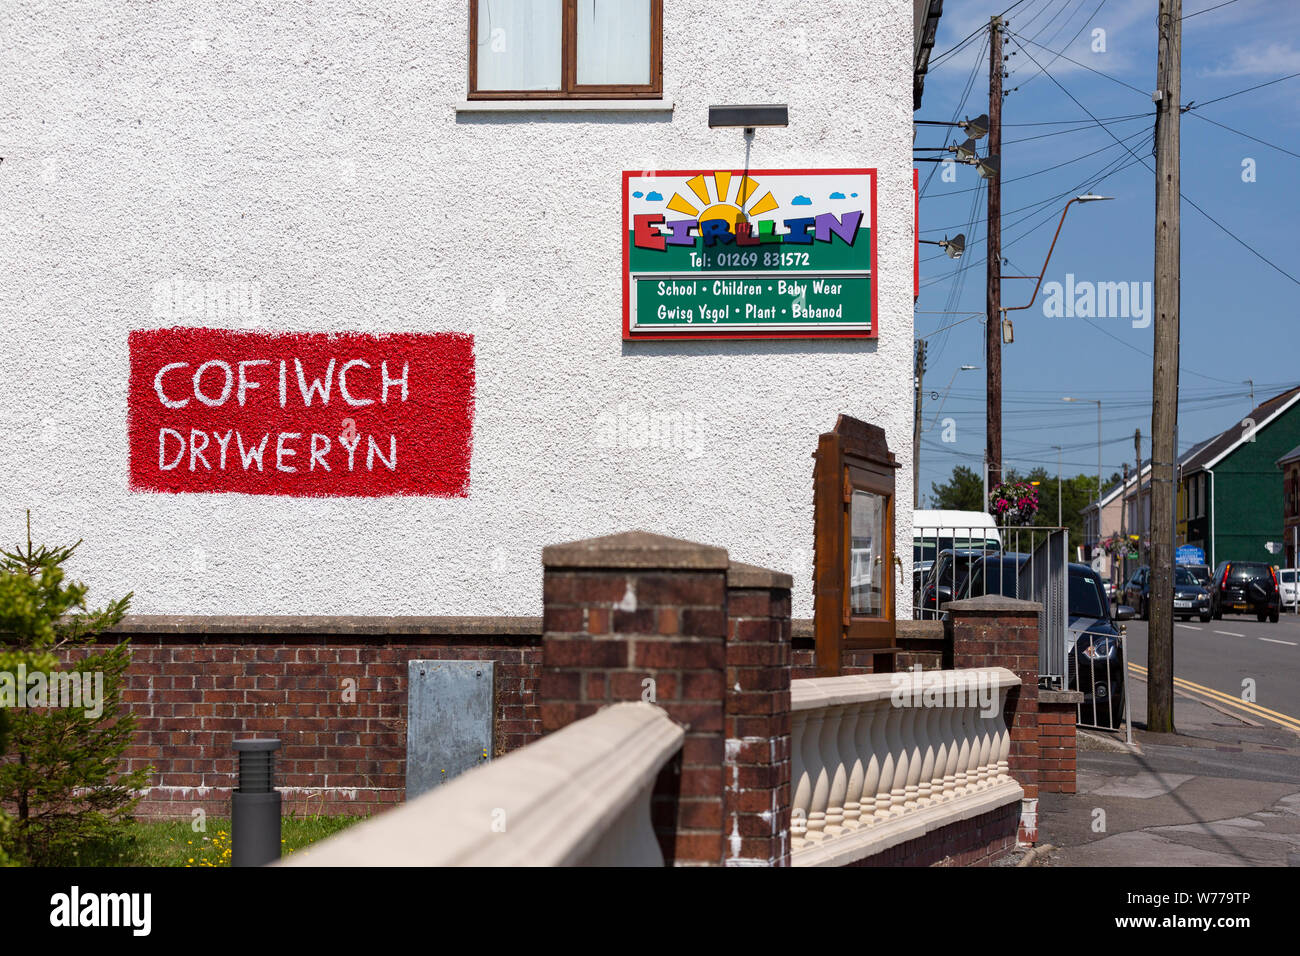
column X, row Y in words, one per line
column 749, row 254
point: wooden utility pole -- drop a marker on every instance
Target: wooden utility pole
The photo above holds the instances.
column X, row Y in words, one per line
column 993, row 325
column 916, row 425
column 1143, row 557
column 1164, row 378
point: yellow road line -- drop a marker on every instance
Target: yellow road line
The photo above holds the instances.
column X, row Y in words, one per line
column 1287, row 721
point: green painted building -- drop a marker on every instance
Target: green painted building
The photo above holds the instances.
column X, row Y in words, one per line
column 1230, row 489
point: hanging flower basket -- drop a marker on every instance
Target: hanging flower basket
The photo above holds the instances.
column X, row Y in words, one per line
column 1116, row 544
column 1013, row 502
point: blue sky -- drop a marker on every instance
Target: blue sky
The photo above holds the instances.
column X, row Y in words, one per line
column 1239, row 315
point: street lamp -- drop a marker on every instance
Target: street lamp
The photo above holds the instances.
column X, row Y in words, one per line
column 1097, row 402
column 1086, row 197
column 954, row 246
column 976, row 128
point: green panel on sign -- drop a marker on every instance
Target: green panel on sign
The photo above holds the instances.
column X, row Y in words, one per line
column 784, row 256
column 765, row 301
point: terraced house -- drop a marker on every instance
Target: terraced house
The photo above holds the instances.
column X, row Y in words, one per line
column 1230, row 499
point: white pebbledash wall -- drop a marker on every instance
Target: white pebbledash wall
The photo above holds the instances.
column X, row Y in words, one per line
column 313, row 162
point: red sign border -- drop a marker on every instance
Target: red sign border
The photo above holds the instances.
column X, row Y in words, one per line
column 630, row 336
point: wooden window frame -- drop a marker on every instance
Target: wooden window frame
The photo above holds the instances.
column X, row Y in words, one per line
column 570, row 90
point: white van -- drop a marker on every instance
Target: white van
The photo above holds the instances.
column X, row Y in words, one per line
column 935, row 531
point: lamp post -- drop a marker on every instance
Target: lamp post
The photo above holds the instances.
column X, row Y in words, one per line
column 1097, row 402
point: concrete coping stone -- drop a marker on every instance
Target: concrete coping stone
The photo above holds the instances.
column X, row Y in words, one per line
column 1047, row 696
column 562, row 795
column 752, row 576
column 814, row 693
column 636, row 550
column 992, row 604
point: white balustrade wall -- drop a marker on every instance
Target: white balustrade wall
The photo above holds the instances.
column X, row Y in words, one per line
column 879, row 759
column 577, row 797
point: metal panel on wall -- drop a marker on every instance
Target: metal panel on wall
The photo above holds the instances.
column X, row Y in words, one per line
column 449, row 721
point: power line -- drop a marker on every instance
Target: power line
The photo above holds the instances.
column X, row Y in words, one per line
column 1048, row 169
column 1062, row 56
column 1247, row 135
column 1086, row 127
column 1091, row 17
column 1181, row 194
column 1248, row 89
column 1188, row 16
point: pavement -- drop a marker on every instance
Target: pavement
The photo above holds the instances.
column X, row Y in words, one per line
column 1224, row 790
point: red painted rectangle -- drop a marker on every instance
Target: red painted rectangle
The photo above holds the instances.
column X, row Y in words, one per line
column 333, row 414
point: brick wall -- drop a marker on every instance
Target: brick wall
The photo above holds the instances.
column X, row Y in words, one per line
column 196, row 684
column 995, row 631
column 978, row 841
column 756, row 771
column 1057, row 766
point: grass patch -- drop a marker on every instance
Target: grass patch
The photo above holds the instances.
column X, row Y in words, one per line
column 175, row 843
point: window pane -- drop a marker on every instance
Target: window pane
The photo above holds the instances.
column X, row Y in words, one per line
column 867, row 558
column 613, row 42
column 519, row 43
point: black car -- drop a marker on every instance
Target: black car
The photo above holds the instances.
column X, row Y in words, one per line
column 946, row 578
column 1201, row 573
column 1093, row 646
column 1243, row 587
column 1190, row 597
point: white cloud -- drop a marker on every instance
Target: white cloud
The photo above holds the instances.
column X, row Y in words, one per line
column 1275, row 59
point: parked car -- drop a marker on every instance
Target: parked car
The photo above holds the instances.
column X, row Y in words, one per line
column 1093, row 649
column 1288, row 579
column 1245, row 587
column 946, row 579
column 1190, row 598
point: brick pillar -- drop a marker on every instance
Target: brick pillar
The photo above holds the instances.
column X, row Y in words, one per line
column 1057, row 714
column 638, row 616
column 756, row 771
column 995, row 631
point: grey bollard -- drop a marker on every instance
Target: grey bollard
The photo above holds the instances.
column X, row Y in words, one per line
column 255, row 805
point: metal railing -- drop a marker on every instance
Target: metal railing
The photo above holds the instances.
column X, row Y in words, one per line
column 1036, row 569
column 1098, row 666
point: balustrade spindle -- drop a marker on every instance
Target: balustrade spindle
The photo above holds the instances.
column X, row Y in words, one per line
column 837, row 773
column 800, row 782
column 817, row 771
column 854, row 753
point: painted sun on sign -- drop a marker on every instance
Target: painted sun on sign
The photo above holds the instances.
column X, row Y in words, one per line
column 721, row 204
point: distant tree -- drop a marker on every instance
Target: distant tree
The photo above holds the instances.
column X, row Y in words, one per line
column 964, row 491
